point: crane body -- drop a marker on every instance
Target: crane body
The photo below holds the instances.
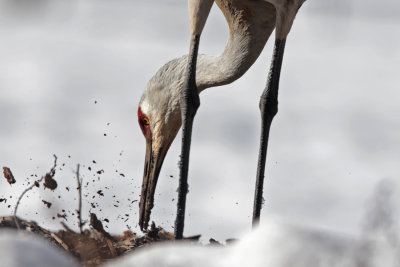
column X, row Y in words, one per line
column 171, row 97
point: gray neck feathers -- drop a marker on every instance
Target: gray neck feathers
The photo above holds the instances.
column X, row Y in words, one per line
column 250, row 25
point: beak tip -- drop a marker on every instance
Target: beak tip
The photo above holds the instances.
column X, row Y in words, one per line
column 152, row 166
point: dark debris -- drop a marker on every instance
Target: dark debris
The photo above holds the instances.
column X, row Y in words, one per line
column 8, row 175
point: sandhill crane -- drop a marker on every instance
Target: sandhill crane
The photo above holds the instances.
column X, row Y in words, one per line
column 171, row 98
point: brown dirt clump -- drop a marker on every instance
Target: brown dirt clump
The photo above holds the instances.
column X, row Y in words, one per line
column 8, row 175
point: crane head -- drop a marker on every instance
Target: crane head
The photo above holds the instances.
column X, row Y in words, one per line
column 159, row 119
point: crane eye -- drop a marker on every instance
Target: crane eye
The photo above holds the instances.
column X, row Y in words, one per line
column 145, row 121
column 144, row 124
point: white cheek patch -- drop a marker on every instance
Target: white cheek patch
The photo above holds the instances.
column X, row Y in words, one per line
column 145, row 107
column 146, row 110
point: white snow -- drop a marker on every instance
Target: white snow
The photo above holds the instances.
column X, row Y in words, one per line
column 28, row 250
column 272, row 244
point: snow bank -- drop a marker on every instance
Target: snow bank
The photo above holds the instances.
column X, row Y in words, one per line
column 273, row 244
column 28, row 250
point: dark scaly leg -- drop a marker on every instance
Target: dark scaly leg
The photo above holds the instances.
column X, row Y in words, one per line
column 189, row 102
column 268, row 108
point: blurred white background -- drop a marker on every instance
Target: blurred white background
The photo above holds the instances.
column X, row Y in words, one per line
column 73, row 71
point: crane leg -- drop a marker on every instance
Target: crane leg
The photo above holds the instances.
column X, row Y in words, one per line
column 268, row 108
column 189, row 102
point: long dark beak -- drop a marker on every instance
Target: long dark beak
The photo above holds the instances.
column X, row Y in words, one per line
column 152, row 167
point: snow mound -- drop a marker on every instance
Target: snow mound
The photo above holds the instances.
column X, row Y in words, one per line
column 273, row 244
column 21, row 249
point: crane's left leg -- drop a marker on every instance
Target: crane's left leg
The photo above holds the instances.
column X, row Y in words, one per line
column 268, row 108
column 190, row 102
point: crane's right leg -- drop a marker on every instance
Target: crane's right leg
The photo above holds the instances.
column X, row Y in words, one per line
column 190, row 102
column 268, row 108
column 286, row 12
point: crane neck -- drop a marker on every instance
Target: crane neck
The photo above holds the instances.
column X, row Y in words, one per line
column 250, row 25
